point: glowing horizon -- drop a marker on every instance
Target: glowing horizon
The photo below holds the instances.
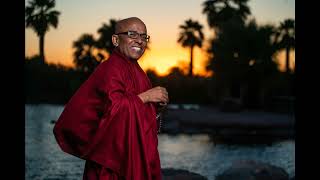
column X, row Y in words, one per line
column 81, row 16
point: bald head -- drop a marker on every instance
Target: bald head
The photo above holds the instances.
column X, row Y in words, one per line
column 130, row 37
column 124, row 24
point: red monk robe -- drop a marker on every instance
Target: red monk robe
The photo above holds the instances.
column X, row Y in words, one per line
column 108, row 125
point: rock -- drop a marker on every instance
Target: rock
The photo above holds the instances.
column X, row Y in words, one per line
column 252, row 170
column 179, row 174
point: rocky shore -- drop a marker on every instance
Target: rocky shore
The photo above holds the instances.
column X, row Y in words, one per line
column 253, row 170
column 239, row 170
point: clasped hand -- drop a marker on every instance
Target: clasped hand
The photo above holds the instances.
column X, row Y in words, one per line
column 157, row 94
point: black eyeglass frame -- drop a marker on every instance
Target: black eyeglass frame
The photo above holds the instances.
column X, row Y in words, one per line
column 129, row 34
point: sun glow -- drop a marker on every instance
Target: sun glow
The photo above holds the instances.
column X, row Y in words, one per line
column 83, row 16
column 163, row 58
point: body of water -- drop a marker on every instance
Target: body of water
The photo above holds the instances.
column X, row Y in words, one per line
column 44, row 160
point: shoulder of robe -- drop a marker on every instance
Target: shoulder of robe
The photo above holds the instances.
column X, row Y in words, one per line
column 112, row 67
column 114, row 63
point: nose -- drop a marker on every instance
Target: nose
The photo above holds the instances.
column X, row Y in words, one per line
column 139, row 40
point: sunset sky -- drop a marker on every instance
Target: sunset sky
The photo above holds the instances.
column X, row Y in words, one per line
column 162, row 18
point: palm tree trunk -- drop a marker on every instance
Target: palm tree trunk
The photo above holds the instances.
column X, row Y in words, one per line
column 191, row 61
column 287, row 60
column 41, row 48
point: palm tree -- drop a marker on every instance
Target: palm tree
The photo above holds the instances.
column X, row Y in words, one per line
column 221, row 11
column 286, row 38
column 40, row 16
column 191, row 35
column 85, row 55
column 242, row 54
column 106, row 31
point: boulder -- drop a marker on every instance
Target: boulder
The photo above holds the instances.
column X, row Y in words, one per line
column 252, row 170
column 179, row 174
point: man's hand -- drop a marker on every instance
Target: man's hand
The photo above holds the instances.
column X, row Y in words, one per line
column 156, row 94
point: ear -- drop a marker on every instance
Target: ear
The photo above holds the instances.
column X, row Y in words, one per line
column 115, row 40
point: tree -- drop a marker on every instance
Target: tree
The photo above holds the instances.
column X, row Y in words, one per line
column 227, row 53
column 191, row 35
column 221, row 11
column 40, row 16
column 90, row 52
column 286, row 39
column 106, row 31
column 86, row 55
column 242, row 57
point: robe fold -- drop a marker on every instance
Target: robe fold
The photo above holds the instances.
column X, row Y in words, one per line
column 108, row 125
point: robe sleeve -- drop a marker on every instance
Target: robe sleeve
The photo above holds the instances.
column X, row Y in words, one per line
column 116, row 139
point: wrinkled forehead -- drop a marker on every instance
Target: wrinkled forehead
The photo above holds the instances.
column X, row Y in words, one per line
column 133, row 24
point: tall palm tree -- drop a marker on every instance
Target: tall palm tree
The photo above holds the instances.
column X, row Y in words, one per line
column 40, row 16
column 221, row 11
column 286, row 38
column 191, row 35
column 242, row 53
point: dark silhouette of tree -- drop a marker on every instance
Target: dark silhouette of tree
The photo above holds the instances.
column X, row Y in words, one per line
column 191, row 35
column 263, row 47
column 89, row 52
column 227, row 57
column 153, row 76
column 86, row 55
column 226, row 17
column 286, row 39
column 105, row 32
column 242, row 57
column 50, row 83
column 176, row 72
column 261, row 69
column 221, row 11
column 40, row 15
column 241, row 53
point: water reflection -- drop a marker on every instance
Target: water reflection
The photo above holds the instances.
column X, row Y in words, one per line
column 197, row 153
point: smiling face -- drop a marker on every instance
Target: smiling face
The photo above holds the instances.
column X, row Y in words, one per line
column 131, row 48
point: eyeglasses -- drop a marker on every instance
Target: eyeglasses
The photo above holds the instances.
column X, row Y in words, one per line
column 135, row 35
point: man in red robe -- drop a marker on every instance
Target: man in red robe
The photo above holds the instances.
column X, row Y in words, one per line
column 111, row 120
